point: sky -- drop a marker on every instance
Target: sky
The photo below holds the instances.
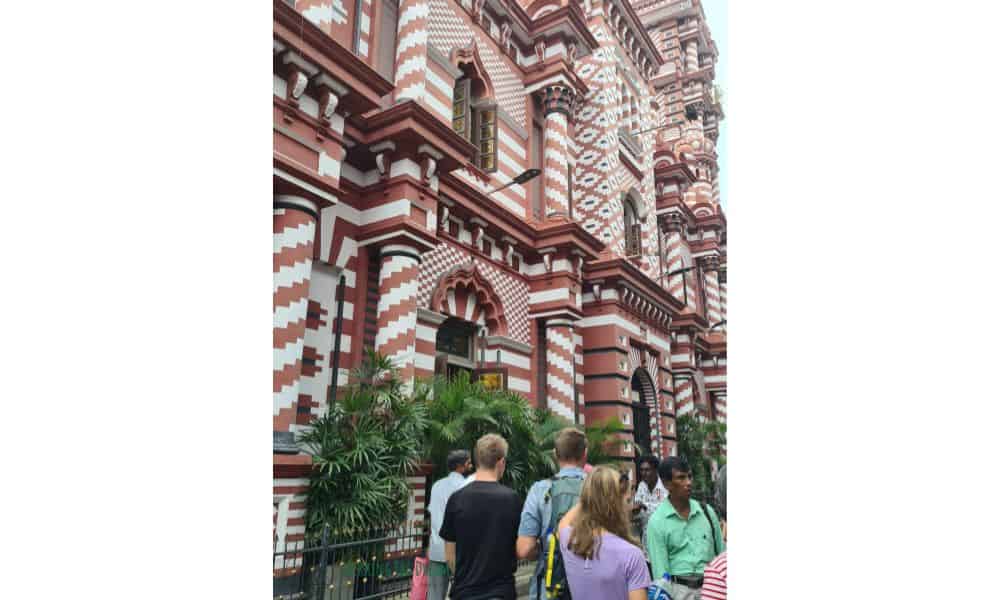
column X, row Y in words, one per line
column 717, row 15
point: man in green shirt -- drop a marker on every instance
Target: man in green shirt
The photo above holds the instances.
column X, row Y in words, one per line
column 683, row 535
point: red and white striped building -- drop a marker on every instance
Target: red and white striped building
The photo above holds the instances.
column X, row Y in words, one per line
column 596, row 289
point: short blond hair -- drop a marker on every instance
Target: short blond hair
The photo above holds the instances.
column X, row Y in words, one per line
column 489, row 450
column 571, row 445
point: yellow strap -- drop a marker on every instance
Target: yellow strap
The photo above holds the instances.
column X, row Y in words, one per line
column 552, row 555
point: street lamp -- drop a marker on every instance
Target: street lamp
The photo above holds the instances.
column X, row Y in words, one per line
column 520, row 179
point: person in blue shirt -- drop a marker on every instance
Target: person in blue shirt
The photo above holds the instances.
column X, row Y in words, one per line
column 459, row 463
column 571, row 455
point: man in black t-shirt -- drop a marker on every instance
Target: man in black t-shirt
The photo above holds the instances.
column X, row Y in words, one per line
column 480, row 529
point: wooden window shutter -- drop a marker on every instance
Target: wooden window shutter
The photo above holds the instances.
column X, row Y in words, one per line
column 488, row 138
column 461, row 110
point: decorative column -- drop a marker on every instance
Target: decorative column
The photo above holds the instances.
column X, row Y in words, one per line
column 411, row 49
column 294, row 228
column 722, row 295
column 691, row 56
column 557, row 102
column 713, row 312
column 559, row 359
column 397, row 307
column 674, row 231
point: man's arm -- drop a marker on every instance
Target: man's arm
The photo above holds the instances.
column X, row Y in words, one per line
column 527, row 547
column 530, row 528
column 449, row 555
column 656, row 548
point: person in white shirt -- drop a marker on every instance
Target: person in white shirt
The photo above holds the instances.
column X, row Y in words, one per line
column 459, row 463
column 649, row 494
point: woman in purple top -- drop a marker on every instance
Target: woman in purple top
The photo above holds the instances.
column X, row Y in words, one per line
column 602, row 558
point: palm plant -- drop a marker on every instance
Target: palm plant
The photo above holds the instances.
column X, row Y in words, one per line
column 461, row 411
column 700, row 441
column 602, row 438
column 362, row 451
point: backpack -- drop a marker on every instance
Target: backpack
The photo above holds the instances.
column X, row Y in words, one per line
column 562, row 496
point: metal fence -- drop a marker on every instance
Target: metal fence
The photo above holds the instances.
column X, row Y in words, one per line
column 350, row 564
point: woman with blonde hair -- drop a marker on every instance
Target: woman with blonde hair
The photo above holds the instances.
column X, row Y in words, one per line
column 601, row 556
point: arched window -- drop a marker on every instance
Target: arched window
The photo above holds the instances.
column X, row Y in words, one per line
column 474, row 117
column 633, row 229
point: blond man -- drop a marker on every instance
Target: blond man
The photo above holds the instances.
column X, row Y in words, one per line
column 480, row 528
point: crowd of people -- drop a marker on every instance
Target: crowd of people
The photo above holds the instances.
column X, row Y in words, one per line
column 592, row 537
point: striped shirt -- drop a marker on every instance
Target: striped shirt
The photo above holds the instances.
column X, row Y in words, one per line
column 714, row 587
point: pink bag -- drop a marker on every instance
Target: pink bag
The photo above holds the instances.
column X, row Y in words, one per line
column 418, row 585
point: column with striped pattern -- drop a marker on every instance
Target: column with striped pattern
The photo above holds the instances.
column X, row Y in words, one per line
column 691, row 56
column 713, row 312
column 396, row 336
column 411, row 49
column 684, row 394
column 722, row 295
column 294, row 229
column 673, row 229
column 557, row 102
column 559, row 359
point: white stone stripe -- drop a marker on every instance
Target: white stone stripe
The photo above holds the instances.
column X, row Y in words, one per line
column 407, row 290
column 519, row 385
column 437, row 106
column 560, row 340
column 412, row 12
column 548, row 295
column 285, row 315
column 558, row 176
column 288, row 354
column 286, row 397
column 558, row 362
column 291, row 237
column 413, row 64
column 600, row 320
column 425, row 333
column 292, row 482
column 470, row 307
column 515, row 145
column 394, row 265
column 392, row 329
column 562, row 410
column 423, row 361
column 434, row 79
column 515, row 360
column 287, row 276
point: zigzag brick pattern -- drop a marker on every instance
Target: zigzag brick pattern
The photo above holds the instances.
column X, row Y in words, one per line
column 600, row 179
column 683, row 392
column 411, row 50
column 712, row 297
column 556, row 164
column 512, row 291
column 397, row 312
column 293, row 232
column 559, row 375
column 448, row 30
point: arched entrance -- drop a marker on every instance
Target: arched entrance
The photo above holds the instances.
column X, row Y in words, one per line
column 643, row 396
column 474, row 311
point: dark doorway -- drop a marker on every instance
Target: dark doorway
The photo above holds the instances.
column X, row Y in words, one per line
column 640, row 415
column 454, row 348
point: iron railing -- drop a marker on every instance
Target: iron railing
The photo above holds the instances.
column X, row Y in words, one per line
column 350, row 564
